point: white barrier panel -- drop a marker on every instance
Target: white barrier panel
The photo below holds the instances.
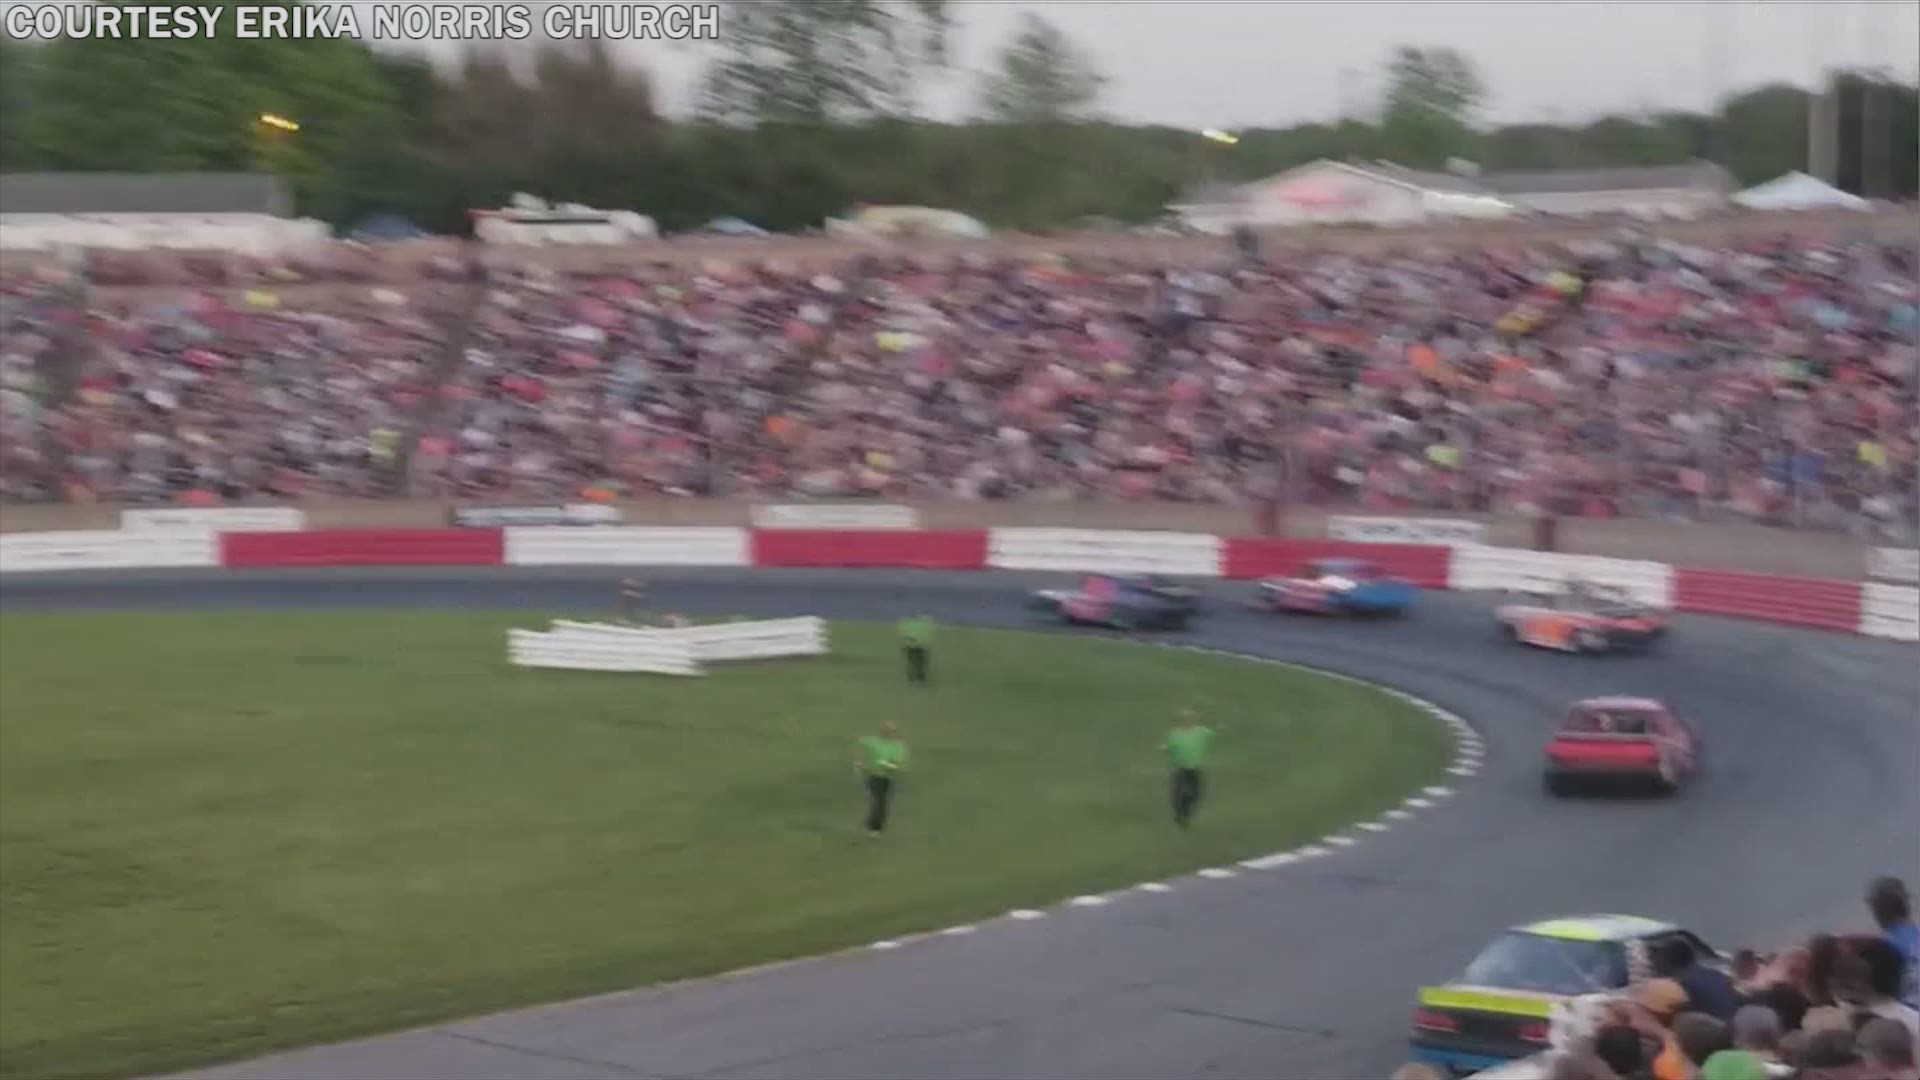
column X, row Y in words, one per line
column 1894, row 564
column 1186, row 554
column 838, row 516
column 216, row 518
column 1890, row 611
column 1441, row 532
column 584, row 646
column 26, row 553
column 626, row 545
column 635, row 651
column 1513, row 569
column 763, row 639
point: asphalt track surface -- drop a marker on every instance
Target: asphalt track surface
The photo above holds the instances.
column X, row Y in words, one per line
column 1306, row 970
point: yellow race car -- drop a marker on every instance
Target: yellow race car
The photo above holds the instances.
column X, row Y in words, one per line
column 1501, row 1007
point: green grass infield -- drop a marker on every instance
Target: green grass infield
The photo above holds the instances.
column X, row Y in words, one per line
column 226, row 834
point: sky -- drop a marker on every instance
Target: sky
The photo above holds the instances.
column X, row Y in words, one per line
column 1206, row 63
column 1267, row 63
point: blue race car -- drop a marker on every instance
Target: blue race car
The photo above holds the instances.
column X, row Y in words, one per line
column 1338, row 586
column 1123, row 602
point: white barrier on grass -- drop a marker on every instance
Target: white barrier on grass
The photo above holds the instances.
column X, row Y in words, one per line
column 1183, row 554
column 588, row 646
column 1511, row 569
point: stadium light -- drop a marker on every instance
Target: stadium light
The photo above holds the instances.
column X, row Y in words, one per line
column 1224, row 138
column 275, row 121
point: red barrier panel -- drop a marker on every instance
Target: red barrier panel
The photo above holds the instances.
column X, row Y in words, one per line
column 1816, row 602
column 365, row 547
column 964, row 549
column 1255, row 557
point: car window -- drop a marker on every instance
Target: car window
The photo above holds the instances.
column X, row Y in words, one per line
column 1518, row 960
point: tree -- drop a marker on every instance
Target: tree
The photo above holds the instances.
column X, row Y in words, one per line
column 823, row 61
column 16, row 66
column 1040, row 78
column 194, row 104
column 1430, row 101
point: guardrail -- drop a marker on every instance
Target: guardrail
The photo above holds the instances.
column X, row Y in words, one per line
column 1890, row 611
column 1188, row 554
column 624, row 545
column 25, row 553
column 1483, row 568
column 1875, row 609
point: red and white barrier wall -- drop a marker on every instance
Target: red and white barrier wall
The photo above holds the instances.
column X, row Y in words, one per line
column 1878, row 610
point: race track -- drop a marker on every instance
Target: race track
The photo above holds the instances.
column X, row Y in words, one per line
column 1303, row 970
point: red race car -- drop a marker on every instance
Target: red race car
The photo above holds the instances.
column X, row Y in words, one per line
column 1622, row 739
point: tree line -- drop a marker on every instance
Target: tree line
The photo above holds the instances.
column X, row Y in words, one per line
column 807, row 109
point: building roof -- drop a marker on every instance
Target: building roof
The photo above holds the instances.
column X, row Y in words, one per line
column 143, row 193
column 1451, row 183
column 1696, row 175
column 1213, row 195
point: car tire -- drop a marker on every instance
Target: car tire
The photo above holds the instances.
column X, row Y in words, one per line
column 1588, row 641
column 1668, row 777
column 1556, row 784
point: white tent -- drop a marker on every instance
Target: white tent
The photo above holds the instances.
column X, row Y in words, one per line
column 1798, row 191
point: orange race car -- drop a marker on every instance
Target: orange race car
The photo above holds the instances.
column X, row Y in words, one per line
column 1584, row 618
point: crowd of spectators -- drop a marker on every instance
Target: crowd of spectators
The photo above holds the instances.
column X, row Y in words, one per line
column 1771, row 381
column 1837, row 1007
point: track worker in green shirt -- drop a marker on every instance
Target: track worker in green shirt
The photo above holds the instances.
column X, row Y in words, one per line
column 1188, row 746
column 882, row 757
column 916, row 640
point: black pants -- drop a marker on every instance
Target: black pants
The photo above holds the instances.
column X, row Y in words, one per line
column 1186, row 795
column 916, row 663
column 879, row 800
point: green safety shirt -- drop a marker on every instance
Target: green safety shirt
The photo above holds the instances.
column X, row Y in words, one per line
column 884, row 756
column 917, row 630
column 1187, row 747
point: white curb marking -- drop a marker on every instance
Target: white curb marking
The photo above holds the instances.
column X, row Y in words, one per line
column 956, row 931
column 1437, row 792
column 1311, row 851
column 884, row 945
column 1026, row 914
column 1340, row 841
column 1372, row 826
column 1216, row 872
column 1418, row 803
column 1156, row 886
column 1269, row 862
column 1397, row 814
column 1463, row 770
column 1087, row 901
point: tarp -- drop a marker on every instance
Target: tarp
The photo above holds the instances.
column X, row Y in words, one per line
column 386, row 227
column 1798, row 191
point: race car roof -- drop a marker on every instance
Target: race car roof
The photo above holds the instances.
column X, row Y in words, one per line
column 1618, row 702
column 1598, row 928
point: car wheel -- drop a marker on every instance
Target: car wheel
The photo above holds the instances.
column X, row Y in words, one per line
column 1669, row 775
column 1588, row 641
column 1556, row 784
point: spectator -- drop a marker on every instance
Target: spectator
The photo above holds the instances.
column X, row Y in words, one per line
column 1708, row 990
column 1887, row 1050
column 1578, row 1066
column 1755, row 1053
column 1892, row 910
column 1786, row 1001
column 1700, row 1036
column 1884, row 965
column 1620, row 1046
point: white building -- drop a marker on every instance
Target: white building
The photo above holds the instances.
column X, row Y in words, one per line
column 1381, row 193
column 1331, row 192
column 237, row 212
column 1659, row 191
